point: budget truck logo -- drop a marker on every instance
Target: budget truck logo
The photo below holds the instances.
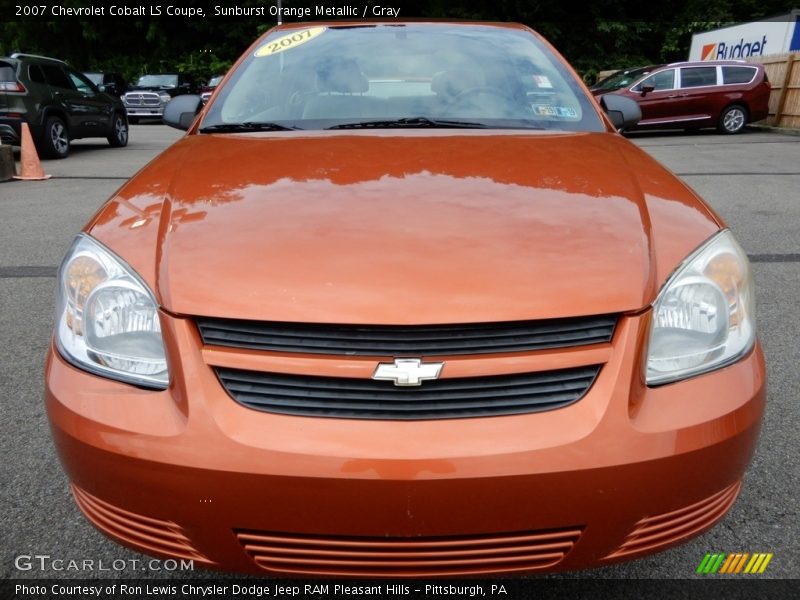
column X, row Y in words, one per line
column 729, row 51
column 734, row 563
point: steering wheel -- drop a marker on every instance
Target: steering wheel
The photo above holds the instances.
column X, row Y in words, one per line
column 470, row 93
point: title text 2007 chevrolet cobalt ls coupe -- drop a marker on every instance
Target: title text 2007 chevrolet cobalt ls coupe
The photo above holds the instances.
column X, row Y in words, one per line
column 404, row 303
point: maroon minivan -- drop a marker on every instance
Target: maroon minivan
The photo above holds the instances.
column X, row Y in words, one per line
column 692, row 95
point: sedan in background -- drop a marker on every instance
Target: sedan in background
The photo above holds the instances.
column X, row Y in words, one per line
column 620, row 79
column 208, row 89
column 110, row 83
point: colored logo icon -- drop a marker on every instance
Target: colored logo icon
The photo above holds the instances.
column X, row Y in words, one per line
column 738, row 562
column 708, row 52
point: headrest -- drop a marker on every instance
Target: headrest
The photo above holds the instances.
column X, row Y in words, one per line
column 341, row 76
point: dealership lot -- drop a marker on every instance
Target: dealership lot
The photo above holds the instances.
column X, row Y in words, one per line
column 751, row 180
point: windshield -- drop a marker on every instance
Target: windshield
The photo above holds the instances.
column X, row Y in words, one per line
column 167, row 81
column 318, row 77
column 95, row 78
column 622, row 79
column 214, row 81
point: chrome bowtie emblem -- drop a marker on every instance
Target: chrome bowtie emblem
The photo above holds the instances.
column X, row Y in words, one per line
column 407, row 371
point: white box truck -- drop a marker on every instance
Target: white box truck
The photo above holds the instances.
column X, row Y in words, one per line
column 774, row 35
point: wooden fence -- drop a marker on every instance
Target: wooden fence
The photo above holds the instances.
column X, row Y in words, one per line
column 783, row 71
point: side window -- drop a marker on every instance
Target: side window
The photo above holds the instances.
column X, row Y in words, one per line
column 80, row 82
column 698, row 76
column 57, row 77
column 35, row 74
column 665, row 80
column 737, row 74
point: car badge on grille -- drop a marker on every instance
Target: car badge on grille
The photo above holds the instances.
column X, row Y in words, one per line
column 407, row 371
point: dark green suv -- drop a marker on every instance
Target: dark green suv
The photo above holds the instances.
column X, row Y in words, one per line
column 58, row 103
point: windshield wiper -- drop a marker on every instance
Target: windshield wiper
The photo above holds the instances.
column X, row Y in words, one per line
column 412, row 122
column 245, row 127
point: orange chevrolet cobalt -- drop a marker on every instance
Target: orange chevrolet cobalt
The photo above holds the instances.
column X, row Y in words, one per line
column 403, row 303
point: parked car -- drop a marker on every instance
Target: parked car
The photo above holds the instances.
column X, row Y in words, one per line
column 621, row 79
column 58, row 103
column 208, row 89
column 692, row 95
column 150, row 94
column 403, row 302
column 111, row 83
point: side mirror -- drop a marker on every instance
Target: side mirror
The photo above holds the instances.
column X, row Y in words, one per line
column 646, row 89
column 623, row 112
column 102, row 88
column 181, row 111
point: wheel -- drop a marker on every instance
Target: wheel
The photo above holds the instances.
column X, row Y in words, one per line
column 119, row 132
column 733, row 119
column 55, row 139
column 133, row 120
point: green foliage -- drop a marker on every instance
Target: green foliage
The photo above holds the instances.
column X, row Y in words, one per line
column 613, row 34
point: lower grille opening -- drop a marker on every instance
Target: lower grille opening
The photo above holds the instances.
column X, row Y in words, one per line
column 157, row 536
column 298, row 554
column 669, row 528
column 341, row 397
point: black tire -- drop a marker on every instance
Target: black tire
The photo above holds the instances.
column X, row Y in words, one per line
column 733, row 119
column 133, row 120
column 119, row 132
column 54, row 142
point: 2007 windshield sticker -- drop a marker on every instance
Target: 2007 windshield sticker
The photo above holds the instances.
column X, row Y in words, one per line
column 289, row 41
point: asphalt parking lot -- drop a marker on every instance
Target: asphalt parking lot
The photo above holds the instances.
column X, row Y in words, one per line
column 752, row 180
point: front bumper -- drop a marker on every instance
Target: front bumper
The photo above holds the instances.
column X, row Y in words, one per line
column 139, row 111
column 189, row 473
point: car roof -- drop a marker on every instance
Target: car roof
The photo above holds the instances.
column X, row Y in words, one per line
column 712, row 63
column 23, row 56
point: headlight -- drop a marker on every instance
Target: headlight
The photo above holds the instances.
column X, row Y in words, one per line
column 107, row 319
column 165, row 97
column 704, row 317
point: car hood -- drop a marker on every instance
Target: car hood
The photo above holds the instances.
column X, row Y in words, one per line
column 422, row 226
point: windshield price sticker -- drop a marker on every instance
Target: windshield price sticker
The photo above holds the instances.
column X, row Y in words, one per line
column 289, row 41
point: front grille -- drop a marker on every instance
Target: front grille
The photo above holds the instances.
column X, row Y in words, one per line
column 142, row 99
column 438, row 399
column 298, row 554
column 413, row 340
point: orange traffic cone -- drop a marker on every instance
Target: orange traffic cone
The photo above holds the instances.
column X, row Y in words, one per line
column 30, row 165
